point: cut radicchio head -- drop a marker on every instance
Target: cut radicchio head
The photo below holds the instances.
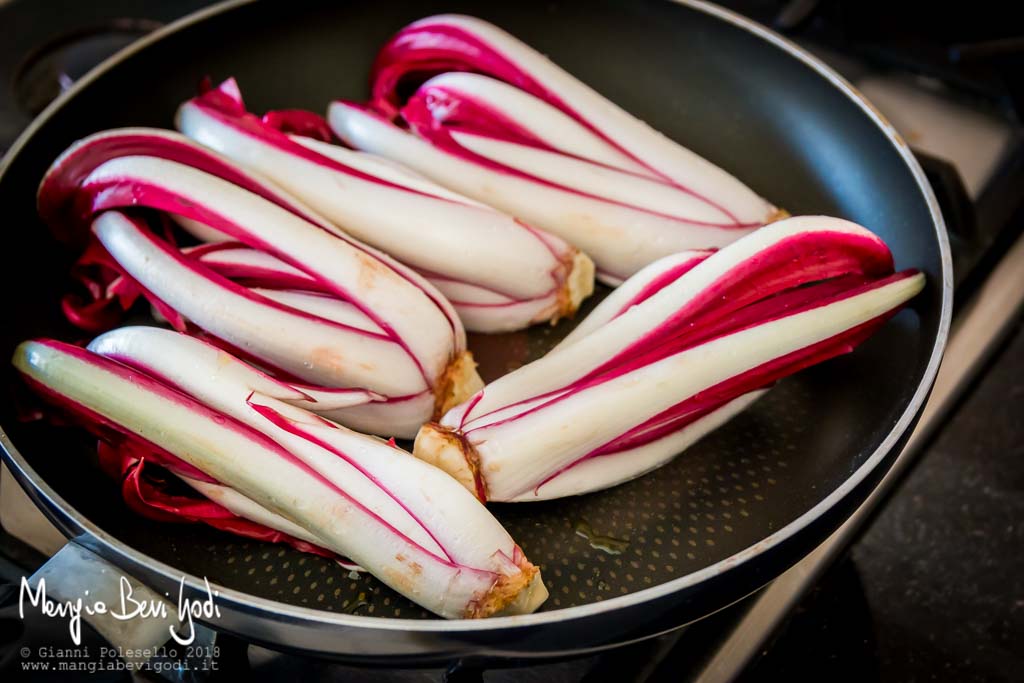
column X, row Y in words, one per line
column 498, row 272
column 492, row 118
column 359, row 336
column 680, row 348
column 220, row 426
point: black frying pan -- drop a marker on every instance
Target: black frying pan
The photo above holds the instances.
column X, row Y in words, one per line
column 721, row 520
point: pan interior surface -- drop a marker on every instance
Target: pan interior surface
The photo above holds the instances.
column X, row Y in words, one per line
column 723, row 92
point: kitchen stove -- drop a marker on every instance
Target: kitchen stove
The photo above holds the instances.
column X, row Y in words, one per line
column 950, row 89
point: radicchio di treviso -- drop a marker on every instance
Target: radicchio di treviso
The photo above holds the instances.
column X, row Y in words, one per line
column 490, row 117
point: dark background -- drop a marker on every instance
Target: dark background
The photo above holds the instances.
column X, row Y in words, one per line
column 934, row 591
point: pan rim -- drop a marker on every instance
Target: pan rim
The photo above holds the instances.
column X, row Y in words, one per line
column 246, row 602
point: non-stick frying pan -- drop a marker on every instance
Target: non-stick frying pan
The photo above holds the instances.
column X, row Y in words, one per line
column 670, row 547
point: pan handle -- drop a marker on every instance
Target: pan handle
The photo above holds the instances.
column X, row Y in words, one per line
column 135, row 620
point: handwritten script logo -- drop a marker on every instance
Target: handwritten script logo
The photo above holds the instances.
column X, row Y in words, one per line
column 128, row 607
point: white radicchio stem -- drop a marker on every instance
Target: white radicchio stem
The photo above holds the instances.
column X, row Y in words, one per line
column 670, row 357
column 247, row 508
column 370, row 342
column 194, row 407
column 499, row 273
column 522, row 134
